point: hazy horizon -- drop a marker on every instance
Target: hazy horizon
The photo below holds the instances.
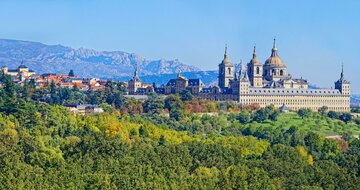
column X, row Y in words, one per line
column 313, row 38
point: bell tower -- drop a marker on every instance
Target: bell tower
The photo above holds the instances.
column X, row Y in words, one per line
column 255, row 71
column 226, row 71
column 134, row 83
column 343, row 85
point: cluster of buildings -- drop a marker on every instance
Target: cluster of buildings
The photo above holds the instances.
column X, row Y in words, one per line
column 258, row 83
column 84, row 109
column 23, row 73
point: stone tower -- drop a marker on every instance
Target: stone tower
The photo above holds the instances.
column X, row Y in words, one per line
column 134, row 83
column 226, row 71
column 343, row 85
column 255, row 71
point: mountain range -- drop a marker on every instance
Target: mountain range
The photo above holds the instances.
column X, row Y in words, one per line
column 85, row 62
column 117, row 65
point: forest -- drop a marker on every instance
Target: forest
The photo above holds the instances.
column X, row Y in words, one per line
column 177, row 142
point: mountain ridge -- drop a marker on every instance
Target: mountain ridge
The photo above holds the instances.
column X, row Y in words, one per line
column 84, row 61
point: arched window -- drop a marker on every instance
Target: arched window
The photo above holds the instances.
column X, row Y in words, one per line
column 274, row 72
column 229, row 71
column 257, row 70
column 281, row 72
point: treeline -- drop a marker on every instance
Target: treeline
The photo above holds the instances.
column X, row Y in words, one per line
column 162, row 144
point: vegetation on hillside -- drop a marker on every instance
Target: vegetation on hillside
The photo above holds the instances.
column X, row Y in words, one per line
column 173, row 143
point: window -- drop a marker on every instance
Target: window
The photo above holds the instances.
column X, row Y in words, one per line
column 274, row 72
column 229, row 71
column 281, row 72
column 257, row 70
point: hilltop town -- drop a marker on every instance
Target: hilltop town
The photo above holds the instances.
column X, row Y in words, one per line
column 261, row 84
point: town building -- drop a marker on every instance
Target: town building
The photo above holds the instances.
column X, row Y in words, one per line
column 135, row 83
column 84, row 109
column 19, row 74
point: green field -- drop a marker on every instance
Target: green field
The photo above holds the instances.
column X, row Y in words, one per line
column 316, row 123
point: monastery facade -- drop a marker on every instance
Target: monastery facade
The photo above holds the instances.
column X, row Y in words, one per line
column 262, row 84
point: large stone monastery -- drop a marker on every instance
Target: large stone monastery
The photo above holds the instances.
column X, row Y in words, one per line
column 261, row 84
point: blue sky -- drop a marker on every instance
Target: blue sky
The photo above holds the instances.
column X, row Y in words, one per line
column 313, row 37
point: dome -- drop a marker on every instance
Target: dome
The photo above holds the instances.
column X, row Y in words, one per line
column 274, row 60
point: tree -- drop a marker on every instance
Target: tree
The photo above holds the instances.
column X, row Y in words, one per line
column 162, row 140
column 347, row 135
column 354, row 147
column 143, row 131
column 260, row 115
column 273, row 115
column 304, row 112
column 323, row 110
column 314, row 141
column 8, row 86
column 153, row 104
column 172, row 102
column 244, row 117
column 71, row 73
column 333, row 115
column 345, row 117
column 186, row 95
column 176, row 114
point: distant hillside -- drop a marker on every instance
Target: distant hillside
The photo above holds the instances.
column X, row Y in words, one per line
column 85, row 62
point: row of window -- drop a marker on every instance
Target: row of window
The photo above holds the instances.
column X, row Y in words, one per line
column 297, row 91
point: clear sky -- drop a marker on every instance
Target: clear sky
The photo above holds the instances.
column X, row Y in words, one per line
column 313, row 37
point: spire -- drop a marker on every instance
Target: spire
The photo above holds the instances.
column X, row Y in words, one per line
column 226, row 57
column 240, row 69
column 136, row 76
column 179, row 73
column 136, row 72
column 254, row 52
column 226, row 53
column 274, row 45
column 246, row 77
column 342, row 72
column 245, row 74
column 274, row 49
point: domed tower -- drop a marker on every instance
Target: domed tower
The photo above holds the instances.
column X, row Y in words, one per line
column 226, row 71
column 255, row 71
column 274, row 68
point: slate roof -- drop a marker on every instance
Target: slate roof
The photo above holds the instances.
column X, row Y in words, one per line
column 206, row 90
column 172, row 82
column 196, row 82
column 22, row 67
column 192, row 82
column 305, row 92
column 159, row 90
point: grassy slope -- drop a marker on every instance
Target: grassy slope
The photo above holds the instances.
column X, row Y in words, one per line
column 323, row 125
